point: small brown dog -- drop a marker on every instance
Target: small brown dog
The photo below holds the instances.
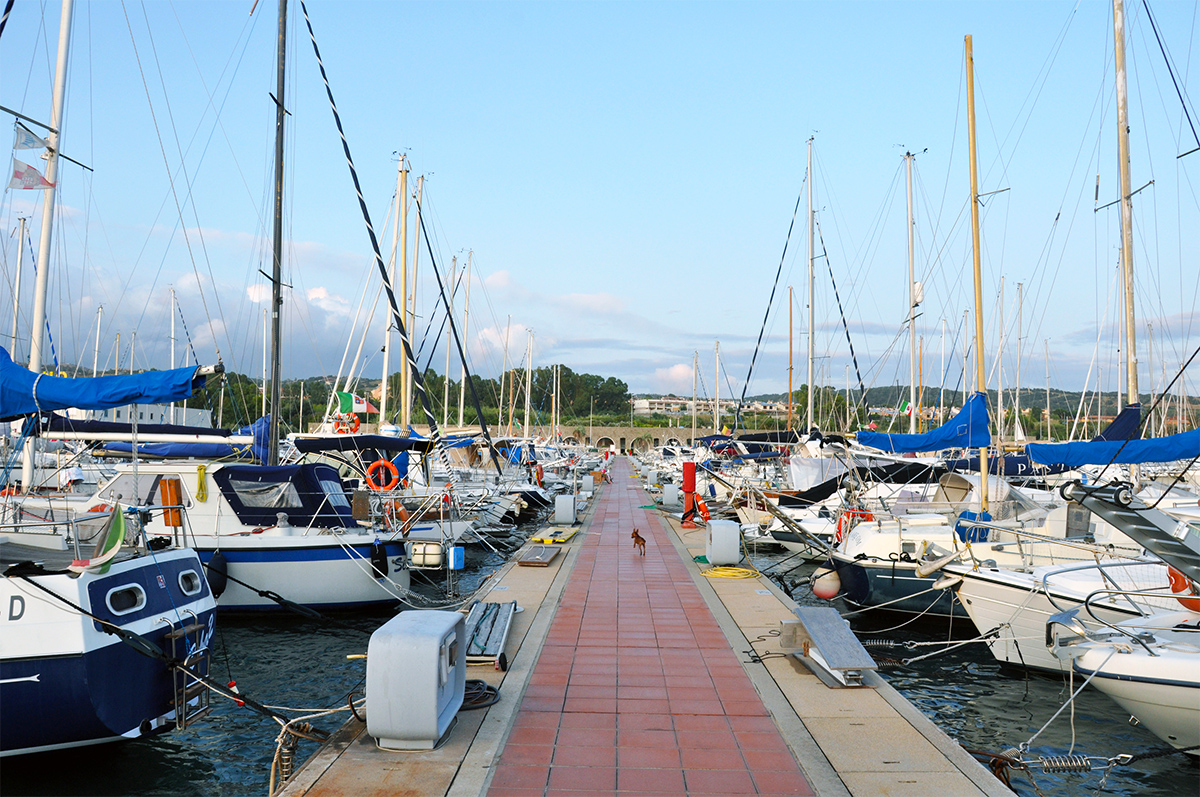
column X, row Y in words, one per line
column 639, row 542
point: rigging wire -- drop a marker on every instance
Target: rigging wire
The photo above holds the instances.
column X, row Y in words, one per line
column 737, row 418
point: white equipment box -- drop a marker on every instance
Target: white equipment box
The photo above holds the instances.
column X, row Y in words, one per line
column 416, row 675
column 564, row 510
column 724, row 543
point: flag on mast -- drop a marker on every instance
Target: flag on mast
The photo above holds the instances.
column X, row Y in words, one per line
column 25, row 176
column 23, row 138
column 349, row 403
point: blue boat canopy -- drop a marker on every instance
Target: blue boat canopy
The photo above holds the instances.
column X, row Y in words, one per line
column 260, row 430
column 967, row 429
column 1184, row 445
column 23, row 392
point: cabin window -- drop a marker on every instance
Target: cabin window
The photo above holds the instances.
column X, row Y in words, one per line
column 270, row 495
column 189, row 582
column 337, row 496
column 118, row 415
column 126, row 599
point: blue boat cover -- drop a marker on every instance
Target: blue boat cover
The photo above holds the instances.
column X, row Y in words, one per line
column 260, row 430
column 310, row 495
column 1184, row 445
column 23, row 392
column 967, row 429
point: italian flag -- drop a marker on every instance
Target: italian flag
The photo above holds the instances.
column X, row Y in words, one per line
column 349, row 403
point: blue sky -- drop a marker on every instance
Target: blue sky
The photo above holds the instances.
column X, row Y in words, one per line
column 625, row 174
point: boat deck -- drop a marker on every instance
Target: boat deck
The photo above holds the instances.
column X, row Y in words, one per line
column 630, row 675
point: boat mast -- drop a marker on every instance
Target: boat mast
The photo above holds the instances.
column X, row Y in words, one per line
column 811, row 286
column 399, row 231
column 1000, row 375
column 96, row 350
column 277, row 245
column 1048, row 416
column 449, row 312
column 717, row 390
column 1131, row 363
column 528, row 381
column 503, row 375
column 407, row 380
column 53, row 142
column 462, row 380
column 266, row 392
column 941, row 380
column 790, row 347
column 173, row 346
column 1018, row 431
column 17, row 288
column 912, row 305
column 980, row 383
column 695, row 379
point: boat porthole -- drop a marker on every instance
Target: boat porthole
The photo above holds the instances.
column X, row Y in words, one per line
column 189, row 582
column 124, row 600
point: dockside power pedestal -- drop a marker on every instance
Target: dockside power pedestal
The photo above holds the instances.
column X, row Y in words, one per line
column 416, row 673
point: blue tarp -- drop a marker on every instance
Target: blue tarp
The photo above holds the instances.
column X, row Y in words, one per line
column 260, row 430
column 967, row 429
column 23, row 392
column 1184, row 445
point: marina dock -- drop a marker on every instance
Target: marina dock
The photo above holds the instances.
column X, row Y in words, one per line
column 633, row 674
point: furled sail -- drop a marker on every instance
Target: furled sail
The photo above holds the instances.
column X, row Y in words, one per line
column 23, row 392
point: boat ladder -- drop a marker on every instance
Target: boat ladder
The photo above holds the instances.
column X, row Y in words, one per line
column 190, row 697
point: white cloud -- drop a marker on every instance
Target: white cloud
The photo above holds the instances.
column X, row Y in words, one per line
column 498, row 279
column 331, row 303
column 676, row 379
column 258, row 293
column 594, row 302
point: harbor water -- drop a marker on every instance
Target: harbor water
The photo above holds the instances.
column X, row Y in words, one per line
column 298, row 663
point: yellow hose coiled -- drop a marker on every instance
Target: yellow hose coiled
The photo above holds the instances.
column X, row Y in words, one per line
column 731, row 572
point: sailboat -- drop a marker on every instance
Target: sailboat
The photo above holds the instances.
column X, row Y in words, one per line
column 76, row 590
column 106, row 632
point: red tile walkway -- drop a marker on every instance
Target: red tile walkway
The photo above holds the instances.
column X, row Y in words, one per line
column 637, row 690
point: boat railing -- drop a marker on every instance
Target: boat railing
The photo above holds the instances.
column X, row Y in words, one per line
column 1130, row 595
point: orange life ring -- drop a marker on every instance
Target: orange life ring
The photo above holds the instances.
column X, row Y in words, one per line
column 849, row 519
column 381, row 486
column 1182, row 586
column 395, row 511
column 14, row 490
column 703, row 509
column 346, row 424
column 100, row 508
column 541, row 474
